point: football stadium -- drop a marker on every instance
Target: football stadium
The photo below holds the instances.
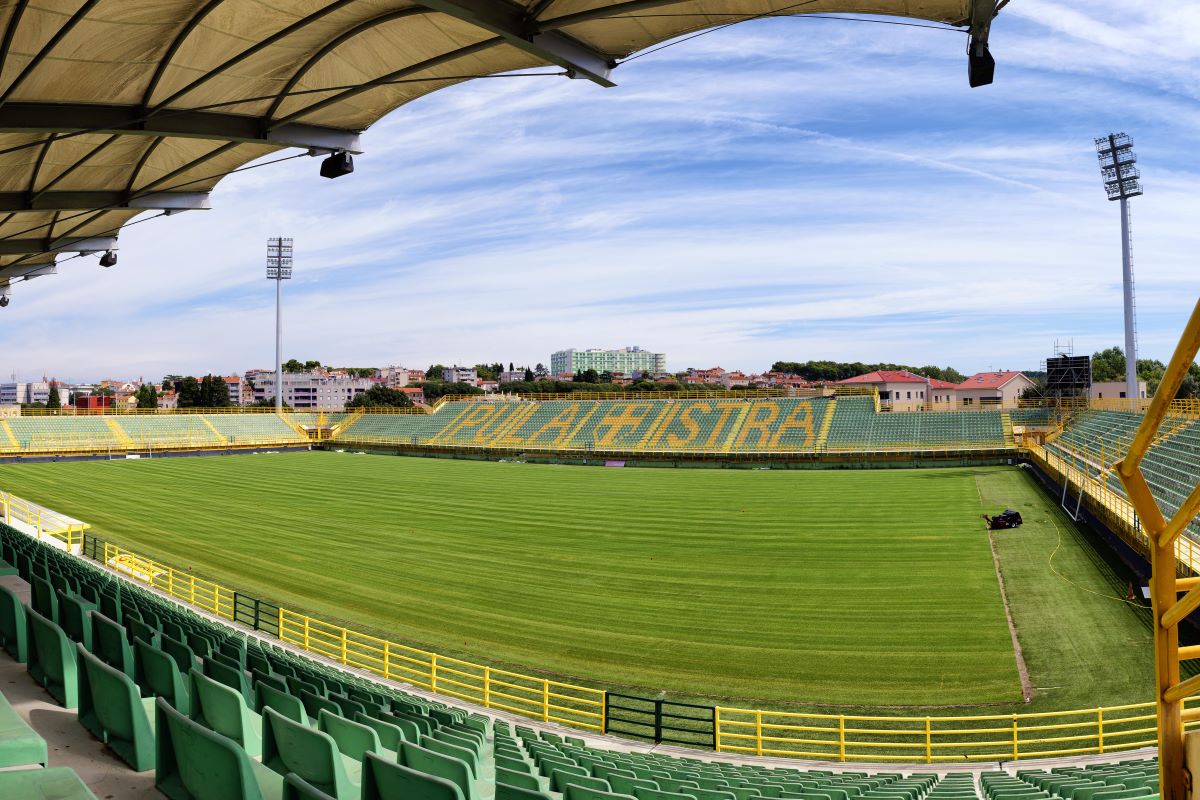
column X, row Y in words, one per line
column 801, row 592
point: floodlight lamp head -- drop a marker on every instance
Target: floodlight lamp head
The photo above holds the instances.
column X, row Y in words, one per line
column 981, row 66
column 1118, row 168
column 337, row 164
column 109, row 259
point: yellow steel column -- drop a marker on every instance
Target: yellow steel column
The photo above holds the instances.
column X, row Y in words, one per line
column 1169, row 610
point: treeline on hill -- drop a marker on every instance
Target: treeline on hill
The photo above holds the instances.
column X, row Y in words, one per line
column 210, row 391
column 840, row 370
column 1109, row 365
column 294, row 366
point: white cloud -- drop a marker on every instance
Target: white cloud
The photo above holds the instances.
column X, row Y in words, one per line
column 789, row 189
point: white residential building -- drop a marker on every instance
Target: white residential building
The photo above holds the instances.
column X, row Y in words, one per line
column 629, row 360
column 394, row 377
column 309, row 390
column 1114, row 390
column 31, row 392
column 457, row 374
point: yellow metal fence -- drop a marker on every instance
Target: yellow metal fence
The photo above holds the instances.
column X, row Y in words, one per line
column 935, row 740
column 834, row 737
column 42, row 522
column 539, row 698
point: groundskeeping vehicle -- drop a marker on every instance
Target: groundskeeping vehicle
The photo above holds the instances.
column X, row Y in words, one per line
column 1004, row 520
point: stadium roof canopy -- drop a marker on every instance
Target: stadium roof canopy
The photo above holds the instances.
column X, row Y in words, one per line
column 110, row 108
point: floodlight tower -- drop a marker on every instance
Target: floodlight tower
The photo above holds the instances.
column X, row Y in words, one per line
column 279, row 269
column 1122, row 181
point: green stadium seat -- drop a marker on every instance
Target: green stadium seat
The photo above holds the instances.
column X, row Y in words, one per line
column 223, row 709
column 43, row 599
column 410, row 729
column 53, row 662
column 390, row 735
column 194, row 763
column 443, row 766
column 623, row 785
column 575, row 791
column 353, row 738
column 464, row 754
column 183, row 655
column 506, row 792
column 56, row 783
column 296, row 788
column 561, row 778
column 159, row 676
column 385, row 780
column 110, row 643
column 74, row 617
column 231, row 676
column 658, row 794
column 14, row 629
column 517, row 778
column 267, row 696
column 291, row 747
column 314, row 704
column 112, row 708
column 20, row 745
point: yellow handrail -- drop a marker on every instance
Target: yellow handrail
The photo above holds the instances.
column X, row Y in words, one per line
column 42, row 522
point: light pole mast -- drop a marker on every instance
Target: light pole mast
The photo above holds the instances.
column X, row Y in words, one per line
column 279, row 269
column 1121, row 182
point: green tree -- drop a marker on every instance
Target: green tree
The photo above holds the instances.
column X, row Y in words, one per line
column 540, row 370
column 434, row 373
column 528, row 375
column 213, row 392
column 267, row 402
column 146, row 396
column 189, row 393
column 53, row 401
column 292, row 365
column 587, row 376
column 435, row 389
column 309, row 366
column 380, row 395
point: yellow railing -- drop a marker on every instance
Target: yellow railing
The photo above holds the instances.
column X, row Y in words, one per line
column 211, row 597
column 539, row 698
column 71, row 411
column 958, row 739
column 842, row 737
column 101, row 443
column 42, row 522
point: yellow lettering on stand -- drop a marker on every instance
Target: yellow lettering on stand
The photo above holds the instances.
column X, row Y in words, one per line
column 760, row 419
column 561, row 423
column 726, row 410
column 623, row 417
column 800, row 418
column 687, row 418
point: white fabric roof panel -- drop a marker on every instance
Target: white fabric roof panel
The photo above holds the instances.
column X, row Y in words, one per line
column 106, row 101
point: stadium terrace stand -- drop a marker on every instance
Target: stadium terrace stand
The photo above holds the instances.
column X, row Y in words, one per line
column 216, row 713
column 656, row 425
column 716, row 425
column 134, row 432
column 1096, row 439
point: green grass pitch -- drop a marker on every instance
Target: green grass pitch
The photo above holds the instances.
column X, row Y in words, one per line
column 865, row 588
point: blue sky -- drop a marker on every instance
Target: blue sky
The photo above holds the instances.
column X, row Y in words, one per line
column 781, row 189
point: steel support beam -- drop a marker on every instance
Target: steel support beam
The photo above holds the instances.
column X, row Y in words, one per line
column 27, row 271
column 510, row 23
column 73, row 117
column 86, row 200
column 76, row 244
